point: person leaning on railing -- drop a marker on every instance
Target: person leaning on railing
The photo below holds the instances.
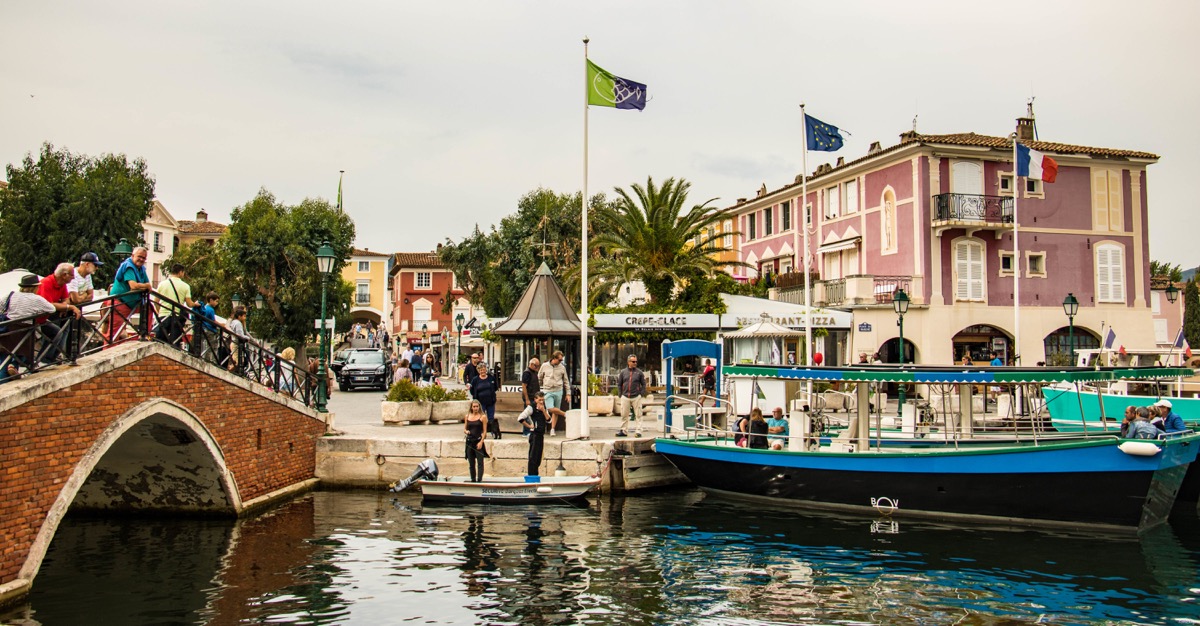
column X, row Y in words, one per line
column 15, row 349
column 129, row 283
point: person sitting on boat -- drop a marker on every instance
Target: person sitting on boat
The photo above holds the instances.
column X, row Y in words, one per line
column 1130, row 416
column 777, row 427
column 537, row 419
column 1141, row 428
column 742, row 428
column 1171, row 421
column 758, row 430
column 474, row 426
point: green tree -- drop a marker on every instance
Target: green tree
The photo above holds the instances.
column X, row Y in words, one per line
column 494, row 268
column 62, row 205
column 1191, row 313
column 650, row 235
column 205, row 271
column 270, row 250
column 1159, row 269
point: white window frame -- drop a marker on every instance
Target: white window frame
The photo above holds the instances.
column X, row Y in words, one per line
column 833, row 204
column 1004, row 178
column 1155, row 303
column 851, row 202
column 785, row 219
column 752, row 226
column 808, row 214
column 364, row 266
column 423, row 280
column 768, row 221
column 422, row 313
column 1006, row 255
column 1034, row 188
column 1110, row 273
column 970, row 283
column 728, row 234
column 358, row 289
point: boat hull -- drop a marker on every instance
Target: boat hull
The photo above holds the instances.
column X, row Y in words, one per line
column 508, row 490
column 1057, row 484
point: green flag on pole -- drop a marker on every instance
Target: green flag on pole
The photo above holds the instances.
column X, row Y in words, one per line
column 607, row 90
column 339, row 204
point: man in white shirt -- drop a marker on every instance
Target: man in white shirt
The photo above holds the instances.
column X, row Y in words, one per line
column 21, row 304
column 80, row 288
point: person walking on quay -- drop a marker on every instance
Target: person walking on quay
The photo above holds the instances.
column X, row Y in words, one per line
column 631, row 385
column 552, row 378
column 471, row 369
column 417, row 365
column 128, row 283
column 537, row 419
column 484, row 391
column 475, row 424
column 530, row 385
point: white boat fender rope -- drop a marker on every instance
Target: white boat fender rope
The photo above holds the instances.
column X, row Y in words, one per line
column 544, row 490
column 1139, row 448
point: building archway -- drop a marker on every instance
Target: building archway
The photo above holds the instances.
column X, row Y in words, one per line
column 979, row 341
column 1058, row 344
column 158, row 455
column 889, row 352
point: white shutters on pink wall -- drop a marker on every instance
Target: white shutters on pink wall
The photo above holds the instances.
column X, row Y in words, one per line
column 968, row 270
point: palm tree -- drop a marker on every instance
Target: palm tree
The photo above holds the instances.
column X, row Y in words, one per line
column 647, row 235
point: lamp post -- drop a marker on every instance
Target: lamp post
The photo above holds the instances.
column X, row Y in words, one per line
column 122, row 249
column 1071, row 308
column 325, row 265
column 458, row 322
column 235, row 300
column 258, row 301
column 900, row 304
column 1172, row 292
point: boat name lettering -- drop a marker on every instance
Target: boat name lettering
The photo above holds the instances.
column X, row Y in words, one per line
column 492, row 491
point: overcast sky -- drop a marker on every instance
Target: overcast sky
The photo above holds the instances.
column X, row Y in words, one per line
column 443, row 114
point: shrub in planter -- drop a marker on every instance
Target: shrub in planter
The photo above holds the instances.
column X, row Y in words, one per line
column 447, row 405
column 406, row 403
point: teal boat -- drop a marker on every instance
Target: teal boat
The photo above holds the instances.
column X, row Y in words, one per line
column 1077, row 408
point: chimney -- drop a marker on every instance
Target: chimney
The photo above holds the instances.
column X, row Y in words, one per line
column 841, row 161
column 875, row 147
column 908, row 136
column 201, row 216
column 439, row 248
column 762, row 191
column 1025, row 129
column 741, row 201
column 799, row 178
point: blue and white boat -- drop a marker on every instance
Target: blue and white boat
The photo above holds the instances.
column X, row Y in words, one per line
column 1099, row 480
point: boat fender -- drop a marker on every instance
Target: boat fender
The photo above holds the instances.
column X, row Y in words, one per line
column 544, row 490
column 1139, row 448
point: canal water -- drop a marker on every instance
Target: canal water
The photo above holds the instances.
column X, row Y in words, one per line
column 675, row 557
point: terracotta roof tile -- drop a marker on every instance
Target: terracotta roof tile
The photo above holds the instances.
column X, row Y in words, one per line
column 969, row 139
column 364, row 252
column 417, row 259
column 191, row 227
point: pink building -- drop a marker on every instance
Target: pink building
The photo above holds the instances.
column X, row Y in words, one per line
column 934, row 215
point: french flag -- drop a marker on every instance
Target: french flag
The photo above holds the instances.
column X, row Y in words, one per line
column 1035, row 165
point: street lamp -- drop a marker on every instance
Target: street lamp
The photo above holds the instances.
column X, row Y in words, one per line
column 900, row 304
column 1071, row 308
column 235, row 300
column 122, row 249
column 1172, row 293
column 258, row 301
column 458, row 323
column 325, row 265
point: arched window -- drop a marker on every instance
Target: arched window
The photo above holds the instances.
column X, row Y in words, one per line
column 968, row 270
column 1110, row 273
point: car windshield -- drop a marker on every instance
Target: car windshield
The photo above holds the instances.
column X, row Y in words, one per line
column 366, row 358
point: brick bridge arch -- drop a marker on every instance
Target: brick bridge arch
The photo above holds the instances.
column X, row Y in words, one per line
column 140, row 427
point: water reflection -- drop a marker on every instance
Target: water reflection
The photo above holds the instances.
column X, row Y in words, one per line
column 667, row 558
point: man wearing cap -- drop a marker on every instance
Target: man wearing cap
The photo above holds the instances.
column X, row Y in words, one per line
column 18, row 304
column 80, row 288
column 1171, row 421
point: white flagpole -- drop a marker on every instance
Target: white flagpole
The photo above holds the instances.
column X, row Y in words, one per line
column 584, row 429
column 1016, row 256
column 804, row 224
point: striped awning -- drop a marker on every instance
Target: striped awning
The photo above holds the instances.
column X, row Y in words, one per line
column 954, row 375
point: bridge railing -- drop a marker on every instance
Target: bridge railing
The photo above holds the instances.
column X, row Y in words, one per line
column 33, row 343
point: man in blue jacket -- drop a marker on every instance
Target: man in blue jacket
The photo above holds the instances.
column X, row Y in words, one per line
column 1172, row 422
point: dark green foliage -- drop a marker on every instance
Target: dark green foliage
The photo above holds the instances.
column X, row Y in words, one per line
column 62, row 205
column 1173, row 273
column 1191, row 313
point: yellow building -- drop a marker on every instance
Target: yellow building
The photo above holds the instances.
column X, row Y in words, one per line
column 368, row 272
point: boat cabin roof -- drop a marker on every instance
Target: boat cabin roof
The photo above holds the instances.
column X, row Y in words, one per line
column 930, row 374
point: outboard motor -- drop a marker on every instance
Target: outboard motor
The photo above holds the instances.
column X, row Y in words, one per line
column 427, row 469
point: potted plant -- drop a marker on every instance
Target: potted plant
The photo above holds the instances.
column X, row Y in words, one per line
column 448, row 406
column 406, row 403
column 599, row 404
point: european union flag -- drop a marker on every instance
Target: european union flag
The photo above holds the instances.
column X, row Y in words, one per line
column 821, row 137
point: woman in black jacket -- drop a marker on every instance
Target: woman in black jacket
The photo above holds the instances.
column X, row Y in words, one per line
column 483, row 389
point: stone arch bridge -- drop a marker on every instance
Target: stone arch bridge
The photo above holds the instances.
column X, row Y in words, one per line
column 140, row 427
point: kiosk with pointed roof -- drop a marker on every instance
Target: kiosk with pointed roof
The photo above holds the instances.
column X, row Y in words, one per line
column 542, row 322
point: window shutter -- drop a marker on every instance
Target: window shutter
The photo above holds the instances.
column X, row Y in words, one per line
column 975, row 261
column 1100, row 199
column 961, row 271
column 1103, row 279
column 1116, row 264
column 1116, row 217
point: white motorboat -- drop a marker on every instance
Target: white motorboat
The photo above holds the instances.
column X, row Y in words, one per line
column 496, row 489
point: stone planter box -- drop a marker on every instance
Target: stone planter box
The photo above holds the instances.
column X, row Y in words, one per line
column 406, row 412
column 450, row 411
column 602, row 405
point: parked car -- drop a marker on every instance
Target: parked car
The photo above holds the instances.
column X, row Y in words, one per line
column 365, row 368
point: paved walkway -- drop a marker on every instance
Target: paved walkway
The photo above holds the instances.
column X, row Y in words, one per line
column 357, row 415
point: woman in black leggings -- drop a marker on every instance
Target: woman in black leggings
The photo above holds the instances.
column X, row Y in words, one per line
column 474, row 426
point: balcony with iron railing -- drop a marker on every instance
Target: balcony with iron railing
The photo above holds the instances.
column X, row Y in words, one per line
column 972, row 209
column 362, row 299
column 861, row 290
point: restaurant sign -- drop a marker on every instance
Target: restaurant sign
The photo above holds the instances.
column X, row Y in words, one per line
column 657, row 321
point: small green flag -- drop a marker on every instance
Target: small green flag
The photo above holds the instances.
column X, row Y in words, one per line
column 606, row 90
column 339, row 206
